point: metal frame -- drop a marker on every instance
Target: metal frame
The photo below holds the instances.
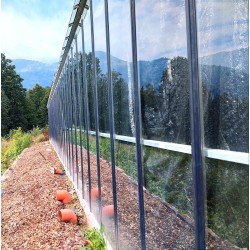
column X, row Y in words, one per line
column 196, row 127
column 96, row 111
column 67, row 88
column 111, row 122
column 138, row 126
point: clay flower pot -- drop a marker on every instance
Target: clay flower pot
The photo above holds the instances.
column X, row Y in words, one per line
column 94, row 193
column 67, row 215
column 64, row 196
column 58, row 171
column 108, row 211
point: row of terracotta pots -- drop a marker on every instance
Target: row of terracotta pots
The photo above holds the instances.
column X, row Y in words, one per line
column 65, row 215
column 107, row 211
column 68, row 215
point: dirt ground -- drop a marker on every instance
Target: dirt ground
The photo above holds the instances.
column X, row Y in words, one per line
column 29, row 209
column 166, row 228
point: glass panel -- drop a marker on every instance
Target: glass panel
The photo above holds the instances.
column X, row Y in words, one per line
column 227, row 204
column 163, row 70
column 126, row 171
column 223, row 51
column 92, row 172
column 163, row 78
column 103, row 116
column 224, row 72
column 78, row 100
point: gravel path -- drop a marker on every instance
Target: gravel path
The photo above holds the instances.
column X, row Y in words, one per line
column 29, row 209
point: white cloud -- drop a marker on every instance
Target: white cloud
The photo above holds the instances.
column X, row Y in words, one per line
column 161, row 28
column 31, row 36
column 222, row 25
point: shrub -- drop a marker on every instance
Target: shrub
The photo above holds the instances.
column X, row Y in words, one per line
column 36, row 131
column 40, row 138
column 16, row 143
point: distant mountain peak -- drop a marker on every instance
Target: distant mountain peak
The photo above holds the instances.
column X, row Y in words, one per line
column 34, row 72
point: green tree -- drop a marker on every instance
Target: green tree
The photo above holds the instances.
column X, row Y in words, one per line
column 150, row 111
column 89, row 71
column 4, row 112
column 37, row 99
column 174, row 98
column 121, row 104
column 31, row 113
column 43, row 108
column 13, row 101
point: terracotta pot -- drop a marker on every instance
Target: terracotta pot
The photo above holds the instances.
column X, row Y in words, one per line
column 94, row 193
column 67, row 215
column 108, row 211
column 58, row 171
column 64, row 196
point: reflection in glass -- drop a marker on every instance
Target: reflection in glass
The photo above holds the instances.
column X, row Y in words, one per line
column 163, row 78
column 92, row 172
column 224, row 77
column 122, row 82
column 103, row 116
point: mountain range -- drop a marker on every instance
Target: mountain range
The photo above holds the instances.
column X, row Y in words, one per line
column 34, row 72
column 149, row 71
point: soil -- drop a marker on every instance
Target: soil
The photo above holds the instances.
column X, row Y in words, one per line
column 166, row 228
column 29, row 209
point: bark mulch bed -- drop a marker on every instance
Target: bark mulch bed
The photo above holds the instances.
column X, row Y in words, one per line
column 166, row 228
column 29, row 208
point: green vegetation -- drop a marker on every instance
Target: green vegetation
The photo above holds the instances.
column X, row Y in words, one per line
column 15, row 142
column 20, row 108
column 13, row 146
column 227, row 200
column 168, row 175
column 96, row 240
column 21, row 111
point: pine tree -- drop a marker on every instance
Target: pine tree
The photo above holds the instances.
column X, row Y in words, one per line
column 13, row 98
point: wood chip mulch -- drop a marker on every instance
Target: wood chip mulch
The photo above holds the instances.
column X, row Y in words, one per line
column 29, row 209
column 166, row 227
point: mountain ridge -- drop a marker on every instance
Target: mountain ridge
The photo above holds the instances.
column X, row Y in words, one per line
column 35, row 72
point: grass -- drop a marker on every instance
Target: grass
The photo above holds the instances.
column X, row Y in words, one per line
column 168, row 175
column 15, row 142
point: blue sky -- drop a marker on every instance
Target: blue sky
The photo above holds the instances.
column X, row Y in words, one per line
column 161, row 27
column 34, row 29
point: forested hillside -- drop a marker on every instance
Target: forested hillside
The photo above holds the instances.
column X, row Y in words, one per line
column 19, row 107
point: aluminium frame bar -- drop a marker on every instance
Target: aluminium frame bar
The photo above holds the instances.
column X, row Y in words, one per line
column 86, row 111
column 66, row 49
column 75, row 112
column 111, row 122
column 196, row 127
column 138, row 125
column 79, row 90
column 217, row 154
column 96, row 112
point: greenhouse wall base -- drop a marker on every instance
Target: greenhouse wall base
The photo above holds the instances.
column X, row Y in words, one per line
column 92, row 222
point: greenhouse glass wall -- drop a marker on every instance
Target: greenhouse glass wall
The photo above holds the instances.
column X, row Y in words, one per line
column 150, row 109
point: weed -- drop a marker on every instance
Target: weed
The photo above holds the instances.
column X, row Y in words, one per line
column 36, row 131
column 40, row 138
column 96, row 239
column 17, row 141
